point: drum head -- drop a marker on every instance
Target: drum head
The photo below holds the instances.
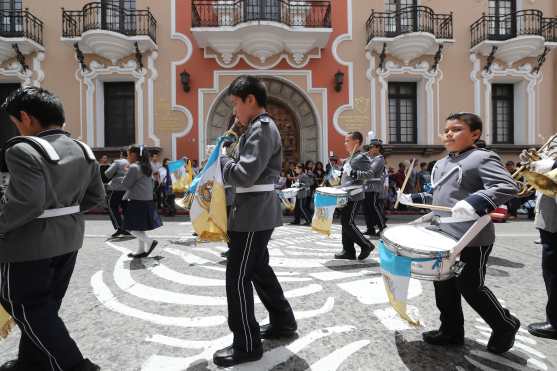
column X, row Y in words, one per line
column 330, row 191
column 417, row 239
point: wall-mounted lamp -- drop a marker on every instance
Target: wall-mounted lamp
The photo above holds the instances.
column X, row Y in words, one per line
column 339, row 80
column 185, row 80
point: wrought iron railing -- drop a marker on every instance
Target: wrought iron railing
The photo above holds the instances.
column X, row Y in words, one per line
column 100, row 16
column 218, row 13
column 549, row 29
column 21, row 23
column 523, row 22
column 407, row 20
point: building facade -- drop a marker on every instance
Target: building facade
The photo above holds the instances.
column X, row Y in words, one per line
column 155, row 72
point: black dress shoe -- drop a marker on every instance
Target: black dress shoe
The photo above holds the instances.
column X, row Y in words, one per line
column 502, row 341
column 225, row 254
column 369, row 233
column 294, row 223
column 153, row 245
column 438, row 337
column 137, row 255
column 86, row 365
column 117, row 234
column 275, row 332
column 228, row 356
column 365, row 252
column 543, row 330
column 125, row 233
column 16, row 365
column 344, row 255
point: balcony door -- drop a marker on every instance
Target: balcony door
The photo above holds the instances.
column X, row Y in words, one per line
column 119, row 114
column 263, row 10
column 406, row 16
column 116, row 15
column 502, row 23
column 11, row 18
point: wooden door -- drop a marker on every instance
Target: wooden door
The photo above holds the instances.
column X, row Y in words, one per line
column 7, row 128
column 289, row 131
column 119, row 114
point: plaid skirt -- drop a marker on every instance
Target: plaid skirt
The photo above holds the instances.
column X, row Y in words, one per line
column 141, row 216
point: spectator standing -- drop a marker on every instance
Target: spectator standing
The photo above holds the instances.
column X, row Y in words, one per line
column 166, row 180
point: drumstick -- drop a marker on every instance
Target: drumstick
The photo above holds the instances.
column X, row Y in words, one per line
column 408, row 173
column 446, row 209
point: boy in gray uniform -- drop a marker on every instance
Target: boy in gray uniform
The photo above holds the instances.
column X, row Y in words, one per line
column 304, row 182
column 546, row 222
column 255, row 214
column 116, row 172
column 356, row 170
column 374, row 187
column 53, row 178
column 473, row 182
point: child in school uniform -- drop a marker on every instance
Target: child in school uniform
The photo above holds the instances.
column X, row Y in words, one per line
column 140, row 214
column 303, row 198
column 473, row 182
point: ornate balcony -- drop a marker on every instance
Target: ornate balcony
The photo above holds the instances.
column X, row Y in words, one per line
column 21, row 28
column 410, row 32
column 261, row 28
column 519, row 35
column 109, row 31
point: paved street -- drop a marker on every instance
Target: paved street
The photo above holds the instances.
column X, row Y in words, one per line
column 168, row 312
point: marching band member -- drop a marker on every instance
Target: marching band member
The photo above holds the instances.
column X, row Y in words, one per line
column 140, row 214
column 255, row 214
column 473, row 182
column 53, row 178
column 546, row 222
column 303, row 197
column 356, row 170
column 116, row 172
column 374, row 204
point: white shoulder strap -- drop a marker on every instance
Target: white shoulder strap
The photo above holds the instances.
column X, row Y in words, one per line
column 87, row 151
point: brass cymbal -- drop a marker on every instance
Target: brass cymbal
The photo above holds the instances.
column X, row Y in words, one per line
column 542, row 182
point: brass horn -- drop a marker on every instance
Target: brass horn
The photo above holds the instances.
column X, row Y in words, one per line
column 530, row 181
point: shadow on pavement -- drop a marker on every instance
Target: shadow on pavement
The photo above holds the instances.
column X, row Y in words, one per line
column 418, row 356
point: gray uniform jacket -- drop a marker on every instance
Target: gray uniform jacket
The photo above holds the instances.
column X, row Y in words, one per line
column 138, row 186
column 259, row 162
column 117, row 171
column 377, row 180
column 37, row 185
column 305, row 182
column 361, row 163
column 546, row 212
column 476, row 176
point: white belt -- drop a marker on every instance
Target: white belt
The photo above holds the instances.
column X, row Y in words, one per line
column 256, row 188
column 51, row 213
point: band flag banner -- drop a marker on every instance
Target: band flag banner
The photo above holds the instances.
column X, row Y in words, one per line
column 6, row 323
column 208, row 209
column 324, row 210
column 396, row 276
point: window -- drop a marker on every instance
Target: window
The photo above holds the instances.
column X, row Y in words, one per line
column 11, row 23
column 502, row 106
column 406, row 21
column 119, row 113
column 503, row 22
column 263, row 10
column 117, row 16
column 403, row 117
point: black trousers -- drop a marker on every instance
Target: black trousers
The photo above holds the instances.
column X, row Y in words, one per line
column 248, row 263
column 350, row 232
column 32, row 293
column 374, row 211
column 549, row 270
column 302, row 209
column 471, row 285
column 115, row 202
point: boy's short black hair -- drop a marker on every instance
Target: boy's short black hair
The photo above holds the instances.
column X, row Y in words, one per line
column 39, row 103
column 356, row 135
column 473, row 121
column 245, row 85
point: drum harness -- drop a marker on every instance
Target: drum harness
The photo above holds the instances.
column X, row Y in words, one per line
column 45, row 149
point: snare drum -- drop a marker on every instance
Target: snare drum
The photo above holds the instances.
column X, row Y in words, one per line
column 329, row 196
column 289, row 192
column 429, row 250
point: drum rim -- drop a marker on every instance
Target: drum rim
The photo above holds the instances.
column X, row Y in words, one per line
column 399, row 247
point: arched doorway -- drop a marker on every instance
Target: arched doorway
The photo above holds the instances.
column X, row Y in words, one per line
column 292, row 112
